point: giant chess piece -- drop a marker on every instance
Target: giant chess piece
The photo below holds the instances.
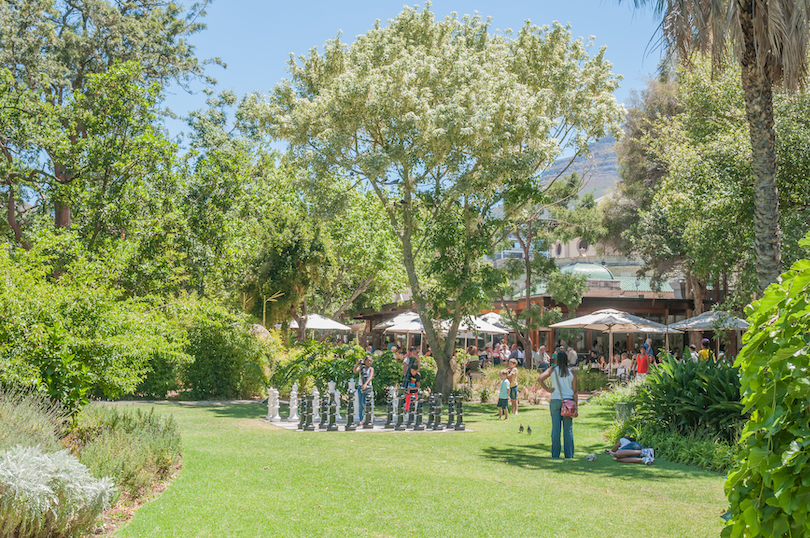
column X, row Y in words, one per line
column 337, row 405
column 420, row 413
column 389, row 409
column 355, row 395
column 400, row 415
column 350, row 426
column 450, row 407
column 293, row 404
column 431, row 411
column 460, row 415
column 302, row 418
column 324, row 414
column 309, row 426
column 332, row 390
column 437, row 425
column 395, row 392
column 412, row 409
column 316, row 403
column 333, row 427
column 368, row 421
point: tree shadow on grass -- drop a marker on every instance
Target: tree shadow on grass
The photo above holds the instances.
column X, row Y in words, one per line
column 538, row 457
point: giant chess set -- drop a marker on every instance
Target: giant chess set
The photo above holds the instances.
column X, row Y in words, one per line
column 322, row 412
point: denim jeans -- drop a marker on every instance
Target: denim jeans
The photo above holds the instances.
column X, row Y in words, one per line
column 362, row 407
column 567, row 424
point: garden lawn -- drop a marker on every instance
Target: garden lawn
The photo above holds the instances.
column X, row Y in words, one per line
column 243, row 477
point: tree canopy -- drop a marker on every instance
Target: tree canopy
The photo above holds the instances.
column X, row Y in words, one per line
column 445, row 121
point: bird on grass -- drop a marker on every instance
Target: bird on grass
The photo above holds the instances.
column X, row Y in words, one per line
column 529, row 430
column 520, row 430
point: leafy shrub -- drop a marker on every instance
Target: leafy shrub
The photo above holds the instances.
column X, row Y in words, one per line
column 75, row 335
column 30, row 418
column 618, row 393
column 48, row 494
column 769, row 489
column 161, row 378
column 465, row 392
column 486, row 395
column 135, row 449
column 701, row 397
column 590, row 380
column 228, row 361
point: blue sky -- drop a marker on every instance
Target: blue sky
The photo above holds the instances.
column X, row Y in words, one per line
column 256, row 37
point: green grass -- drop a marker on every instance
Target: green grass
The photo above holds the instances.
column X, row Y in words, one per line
column 244, row 477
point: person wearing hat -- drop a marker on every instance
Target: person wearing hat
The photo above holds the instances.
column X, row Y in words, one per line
column 705, row 354
column 693, row 352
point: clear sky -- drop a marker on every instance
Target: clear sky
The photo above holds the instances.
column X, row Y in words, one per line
column 256, row 37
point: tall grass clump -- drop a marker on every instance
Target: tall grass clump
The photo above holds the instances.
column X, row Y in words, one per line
column 48, row 495
column 136, row 449
column 29, row 418
column 617, row 393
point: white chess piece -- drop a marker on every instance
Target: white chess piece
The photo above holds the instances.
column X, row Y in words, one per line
column 316, row 402
column 293, row 404
column 356, row 397
column 395, row 401
column 273, row 399
column 337, row 405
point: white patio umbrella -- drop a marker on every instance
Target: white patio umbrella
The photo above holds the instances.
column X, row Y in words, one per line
column 407, row 322
column 610, row 320
column 320, row 323
column 712, row 320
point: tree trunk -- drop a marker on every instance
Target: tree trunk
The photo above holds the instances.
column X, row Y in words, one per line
column 12, row 219
column 698, row 296
column 758, row 91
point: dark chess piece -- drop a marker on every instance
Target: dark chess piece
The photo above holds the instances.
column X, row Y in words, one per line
column 450, row 406
column 368, row 421
column 332, row 427
column 431, row 412
column 420, row 413
column 350, row 426
column 389, row 411
column 309, row 426
column 460, row 415
column 401, row 417
column 324, row 414
column 302, row 413
column 437, row 425
column 412, row 410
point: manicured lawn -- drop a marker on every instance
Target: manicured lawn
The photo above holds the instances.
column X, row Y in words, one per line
column 244, row 477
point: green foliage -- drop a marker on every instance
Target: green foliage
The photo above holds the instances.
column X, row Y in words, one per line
column 45, row 495
column 621, row 393
column 74, row 334
column 567, row 289
column 30, row 418
column 466, row 393
column 701, row 397
column 768, row 490
column 136, row 449
column 486, row 394
column 228, row 361
column 591, row 380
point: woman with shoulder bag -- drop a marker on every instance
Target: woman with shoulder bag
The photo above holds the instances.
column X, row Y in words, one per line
column 563, row 403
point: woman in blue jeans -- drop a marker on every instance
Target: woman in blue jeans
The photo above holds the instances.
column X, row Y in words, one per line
column 564, row 387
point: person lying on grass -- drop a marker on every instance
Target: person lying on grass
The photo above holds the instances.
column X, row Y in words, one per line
column 628, row 450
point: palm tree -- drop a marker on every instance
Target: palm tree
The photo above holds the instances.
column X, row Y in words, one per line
column 770, row 39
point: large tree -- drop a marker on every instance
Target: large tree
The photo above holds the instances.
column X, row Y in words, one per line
column 57, row 53
column 769, row 39
column 445, row 121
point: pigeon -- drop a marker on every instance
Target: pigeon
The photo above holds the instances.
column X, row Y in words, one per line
column 529, row 430
column 520, row 430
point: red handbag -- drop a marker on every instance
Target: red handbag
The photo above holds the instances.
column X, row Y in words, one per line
column 569, row 407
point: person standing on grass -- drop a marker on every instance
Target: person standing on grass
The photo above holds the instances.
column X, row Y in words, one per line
column 512, row 374
column 366, row 375
column 409, row 362
column 564, row 387
column 503, row 397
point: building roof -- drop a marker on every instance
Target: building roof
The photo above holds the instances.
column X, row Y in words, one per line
column 593, row 271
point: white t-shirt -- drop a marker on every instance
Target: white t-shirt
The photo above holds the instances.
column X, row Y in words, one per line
column 572, row 357
column 566, row 389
